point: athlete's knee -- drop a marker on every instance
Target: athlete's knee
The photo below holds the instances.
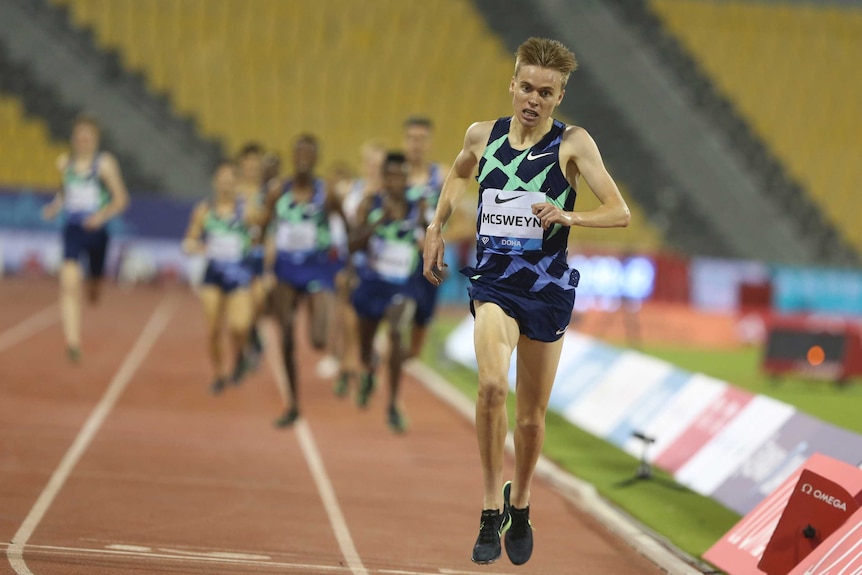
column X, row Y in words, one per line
column 531, row 423
column 492, row 392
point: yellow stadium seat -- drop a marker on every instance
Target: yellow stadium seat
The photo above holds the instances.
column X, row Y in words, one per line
column 791, row 70
column 29, row 154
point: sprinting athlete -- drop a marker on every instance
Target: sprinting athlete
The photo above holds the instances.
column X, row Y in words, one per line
column 93, row 192
column 522, row 289
column 425, row 181
column 306, row 259
column 391, row 240
column 218, row 229
column 352, row 195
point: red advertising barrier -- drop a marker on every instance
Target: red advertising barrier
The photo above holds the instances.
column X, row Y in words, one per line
column 741, row 549
column 816, row 509
column 840, row 554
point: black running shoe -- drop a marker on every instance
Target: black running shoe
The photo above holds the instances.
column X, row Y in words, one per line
column 287, row 418
column 255, row 341
column 244, row 365
column 519, row 538
column 396, row 420
column 74, row 354
column 218, row 386
column 487, row 548
column 366, row 388
column 342, row 383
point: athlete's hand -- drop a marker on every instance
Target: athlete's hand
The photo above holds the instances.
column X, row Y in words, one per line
column 549, row 214
column 50, row 211
column 95, row 221
column 435, row 247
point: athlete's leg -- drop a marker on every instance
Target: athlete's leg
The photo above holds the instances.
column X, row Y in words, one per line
column 70, row 306
column 257, row 292
column 495, row 336
column 398, row 317
column 285, row 299
column 320, row 303
column 346, row 326
column 97, row 253
column 212, row 299
column 537, row 368
column 367, row 382
column 239, row 311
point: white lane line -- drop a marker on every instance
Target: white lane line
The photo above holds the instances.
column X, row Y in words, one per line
column 28, row 327
column 324, row 485
column 221, row 557
column 157, row 322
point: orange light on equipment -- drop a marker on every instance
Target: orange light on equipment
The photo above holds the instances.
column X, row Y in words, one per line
column 816, row 355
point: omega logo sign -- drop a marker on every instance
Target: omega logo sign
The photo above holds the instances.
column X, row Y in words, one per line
column 824, row 497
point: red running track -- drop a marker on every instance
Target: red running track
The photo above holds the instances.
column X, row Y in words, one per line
column 125, row 464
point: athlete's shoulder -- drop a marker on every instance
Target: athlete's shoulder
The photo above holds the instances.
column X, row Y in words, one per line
column 62, row 162
column 478, row 133
column 575, row 134
column 107, row 163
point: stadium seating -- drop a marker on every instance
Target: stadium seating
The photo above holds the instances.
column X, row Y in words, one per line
column 344, row 70
column 790, row 69
column 29, row 154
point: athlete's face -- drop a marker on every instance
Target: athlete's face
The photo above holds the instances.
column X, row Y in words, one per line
column 251, row 167
column 85, row 139
column 417, row 143
column 372, row 161
column 395, row 179
column 304, row 157
column 536, row 92
column 224, row 181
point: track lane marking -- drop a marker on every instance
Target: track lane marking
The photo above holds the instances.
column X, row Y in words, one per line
column 321, row 479
column 133, row 360
column 29, row 327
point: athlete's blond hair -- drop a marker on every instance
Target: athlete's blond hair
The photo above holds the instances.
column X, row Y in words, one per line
column 546, row 53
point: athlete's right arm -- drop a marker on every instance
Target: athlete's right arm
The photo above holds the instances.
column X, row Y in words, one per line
column 52, row 208
column 192, row 243
column 454, row 187
column 273, row 192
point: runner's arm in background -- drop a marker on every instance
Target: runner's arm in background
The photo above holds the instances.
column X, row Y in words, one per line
column 193, row 240
column 109, row 172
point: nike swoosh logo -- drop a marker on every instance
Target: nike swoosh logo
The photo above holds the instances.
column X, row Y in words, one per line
column 530, row 156
column 562, row 331
column 500, row 200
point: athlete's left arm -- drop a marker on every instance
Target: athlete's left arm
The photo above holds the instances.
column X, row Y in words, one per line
column 109, row 172
column 580, row 155
column 334, row 206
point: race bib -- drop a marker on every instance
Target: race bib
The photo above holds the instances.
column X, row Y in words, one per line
column 394, row 261
column 508, row 222
column 82, row 197
column 225, row 248
column 296, row 237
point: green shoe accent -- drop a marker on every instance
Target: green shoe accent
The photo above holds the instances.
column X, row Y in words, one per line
column 288, row 418
column 366, row 388
column 342, row 383
column 396, row 420
column 74, row 354
column 218, row 385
